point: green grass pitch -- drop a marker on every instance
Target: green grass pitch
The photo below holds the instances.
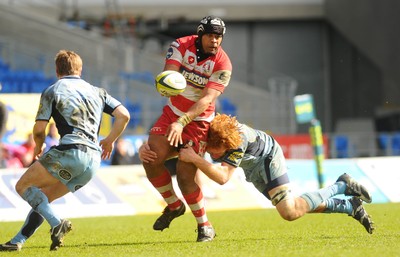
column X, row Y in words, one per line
column 244, row 233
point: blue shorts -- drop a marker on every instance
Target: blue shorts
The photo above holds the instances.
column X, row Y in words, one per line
column 74, row 165
column 271, row 171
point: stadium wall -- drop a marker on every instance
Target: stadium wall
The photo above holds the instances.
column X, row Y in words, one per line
column 125, row 190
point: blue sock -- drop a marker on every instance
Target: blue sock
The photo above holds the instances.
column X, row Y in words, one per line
column 314, row 199
column 32, row 223
column 335, row 205
column 40, row 203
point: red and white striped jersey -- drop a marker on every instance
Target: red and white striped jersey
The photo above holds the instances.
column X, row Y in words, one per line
column 200, row 71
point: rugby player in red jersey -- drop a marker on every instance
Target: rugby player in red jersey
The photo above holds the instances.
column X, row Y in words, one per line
column 186, row 118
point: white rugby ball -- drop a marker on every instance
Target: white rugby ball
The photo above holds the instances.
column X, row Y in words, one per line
column 170, row 83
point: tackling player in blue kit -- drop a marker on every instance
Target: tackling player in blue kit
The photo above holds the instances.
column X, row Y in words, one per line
column 77, row 108
column 232, row 144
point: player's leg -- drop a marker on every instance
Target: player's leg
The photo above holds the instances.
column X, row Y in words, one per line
column 163, row 184
column 278, row 190
column 352, row 207
column 276, row 186
column 157, row 173
column 315, row 198
column 29, row 188
column 193, row 195
column 31, row 224
column 161, row 179
column 353, row 188
column 33, row 220
column 289, row 207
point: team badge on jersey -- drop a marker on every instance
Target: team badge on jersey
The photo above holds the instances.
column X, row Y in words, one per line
column 189, row 61
column 224, row 77
column 207, row 67
column 64, row 174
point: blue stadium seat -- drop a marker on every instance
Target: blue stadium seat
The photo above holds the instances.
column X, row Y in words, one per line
column 227, row 107
column 396, row 144
column 7, row 87
column 143, row 76
column 135, row 110
column 341, row 143
column 384, row 143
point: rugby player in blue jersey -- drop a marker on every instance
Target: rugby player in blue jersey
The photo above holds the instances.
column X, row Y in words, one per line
column 232, row 144
column 77, row 108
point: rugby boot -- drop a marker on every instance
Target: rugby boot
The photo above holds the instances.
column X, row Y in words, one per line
column 58, row 233
column 10, row 247
column 353, row 188
column 361, row 215
column 205, row 234
column 167, row 216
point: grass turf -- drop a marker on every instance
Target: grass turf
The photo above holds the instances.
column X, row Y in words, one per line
column 260, row 232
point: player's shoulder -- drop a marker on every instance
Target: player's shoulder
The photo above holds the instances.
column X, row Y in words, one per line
column 222, row 61
column 51, row 89
column 187, row 41
column 221, row 54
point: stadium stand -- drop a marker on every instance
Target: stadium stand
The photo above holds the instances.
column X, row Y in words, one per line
column 128, row 74
column 23, row 81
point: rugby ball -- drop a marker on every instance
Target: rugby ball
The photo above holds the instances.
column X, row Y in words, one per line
column 170, row 83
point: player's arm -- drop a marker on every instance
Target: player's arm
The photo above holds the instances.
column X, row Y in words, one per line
column 220, row 173
column 121, row 115
column 174, row 131
column 169, row 66
column 39, row 135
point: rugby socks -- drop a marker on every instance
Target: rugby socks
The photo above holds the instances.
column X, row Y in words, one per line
column 32, row 223
column 314, row 199
column 40, row 203
column 335, row 205
column 163, row 184
column 195, row 201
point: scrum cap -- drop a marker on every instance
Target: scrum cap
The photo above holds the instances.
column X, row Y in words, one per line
column 211, row 24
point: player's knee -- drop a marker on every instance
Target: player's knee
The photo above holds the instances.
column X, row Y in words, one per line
column 152, row 165
column 289, row 215
column 20, row 187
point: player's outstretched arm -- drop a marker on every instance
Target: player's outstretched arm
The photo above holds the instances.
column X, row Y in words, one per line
column 220, row 173
column 174, row 131
column 121, row 115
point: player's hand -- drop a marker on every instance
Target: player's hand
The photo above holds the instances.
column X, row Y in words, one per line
column 38, row 151
column 174, row 134
column 187, row 154
column 107, row 147
column 146, row 155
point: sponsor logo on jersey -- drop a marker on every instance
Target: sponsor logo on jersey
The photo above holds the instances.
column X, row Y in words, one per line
column 195, row 79
column 235, row 156
column 224, row 77
column 169, row 53
column 191, row 59
column 64, row 174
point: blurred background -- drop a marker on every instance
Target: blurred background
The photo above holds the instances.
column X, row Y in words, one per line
column 345, row 53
